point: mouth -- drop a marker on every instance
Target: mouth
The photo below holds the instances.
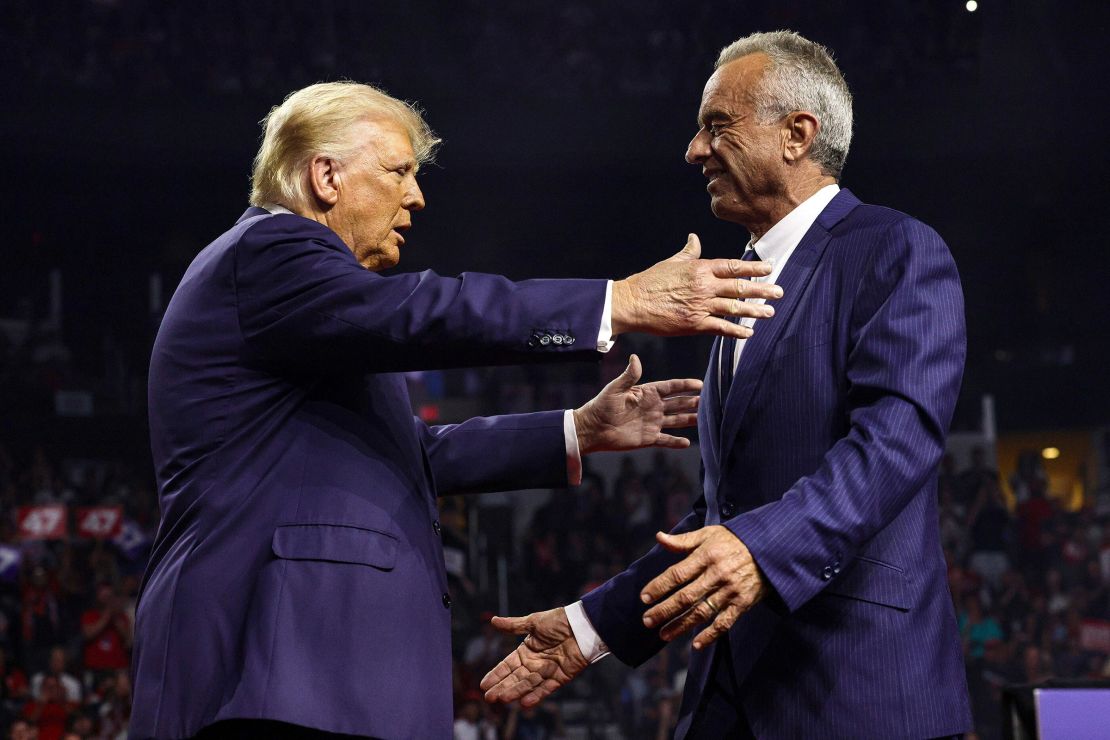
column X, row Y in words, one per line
column 397, row 233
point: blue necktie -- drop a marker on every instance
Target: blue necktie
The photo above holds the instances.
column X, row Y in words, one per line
column 728, row 344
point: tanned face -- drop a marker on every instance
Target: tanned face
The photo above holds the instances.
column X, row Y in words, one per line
column 377, row 193
column 741, row 157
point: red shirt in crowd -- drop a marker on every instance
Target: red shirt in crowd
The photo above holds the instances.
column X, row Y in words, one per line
column 107, row 650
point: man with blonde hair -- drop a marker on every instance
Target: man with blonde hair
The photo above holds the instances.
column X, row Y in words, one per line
column 297, row 585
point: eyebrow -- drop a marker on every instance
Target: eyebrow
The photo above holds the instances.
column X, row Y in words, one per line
column 711, row 114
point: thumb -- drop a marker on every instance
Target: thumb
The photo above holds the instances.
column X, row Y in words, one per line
column 512, row 625
column 679, row 542
column 631, row 374
column 692, row 250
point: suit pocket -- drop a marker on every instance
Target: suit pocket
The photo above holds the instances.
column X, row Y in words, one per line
column 805, row 338
column 874, row 581
column 336, row 543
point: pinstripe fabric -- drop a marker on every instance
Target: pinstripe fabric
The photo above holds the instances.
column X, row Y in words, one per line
column 825, row 451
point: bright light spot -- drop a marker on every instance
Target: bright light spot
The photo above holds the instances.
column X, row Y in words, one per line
column 972, row 6
column 1049, row 453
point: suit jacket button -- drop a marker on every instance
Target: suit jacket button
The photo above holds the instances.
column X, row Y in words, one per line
column 545, row 340
column 827, row 573
column 436, row 528
column 568, row 339
column 446, row 601
column 727, row 510
column 557, row 338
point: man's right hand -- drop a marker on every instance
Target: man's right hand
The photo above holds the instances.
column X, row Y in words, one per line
column 687, row 295
column 547, row 659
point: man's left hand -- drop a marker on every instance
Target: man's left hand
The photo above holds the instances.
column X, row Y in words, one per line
column 717, row 582
column 626, row 416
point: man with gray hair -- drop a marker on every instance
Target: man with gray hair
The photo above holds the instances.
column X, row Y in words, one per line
column 810, row 570
column 297, row 585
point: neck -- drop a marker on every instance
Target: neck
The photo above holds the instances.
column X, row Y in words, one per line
column 793, row 194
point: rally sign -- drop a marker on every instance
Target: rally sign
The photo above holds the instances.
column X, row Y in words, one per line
column 46, row 522
column 99, row 522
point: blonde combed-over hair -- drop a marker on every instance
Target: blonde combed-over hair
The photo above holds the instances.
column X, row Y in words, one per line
column 321, row 120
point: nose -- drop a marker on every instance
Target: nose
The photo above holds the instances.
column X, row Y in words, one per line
column 698, row 149
column 414, row 197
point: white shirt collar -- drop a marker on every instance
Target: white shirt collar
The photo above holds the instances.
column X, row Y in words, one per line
column 275, row 209
column 781, row 239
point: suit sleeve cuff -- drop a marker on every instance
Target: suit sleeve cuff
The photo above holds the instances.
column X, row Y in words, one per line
column 574, row 456
column 605, row 334
column 589, row 641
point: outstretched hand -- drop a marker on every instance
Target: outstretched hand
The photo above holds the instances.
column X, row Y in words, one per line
column 716, row 582
column 685, row 294
column 547, row 659
column 626, row 416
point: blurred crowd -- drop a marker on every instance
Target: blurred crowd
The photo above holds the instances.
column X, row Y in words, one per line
column 1025, row 577
column 67, row 605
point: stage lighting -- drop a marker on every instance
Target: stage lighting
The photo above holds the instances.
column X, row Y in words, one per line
column 1050, row 453
column 971, row 6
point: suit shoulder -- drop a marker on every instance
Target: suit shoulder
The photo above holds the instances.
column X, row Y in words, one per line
column 879, row 228
column 284, row 228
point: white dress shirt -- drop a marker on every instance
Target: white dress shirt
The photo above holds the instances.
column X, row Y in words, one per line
column 605, row 343
column 774, row 247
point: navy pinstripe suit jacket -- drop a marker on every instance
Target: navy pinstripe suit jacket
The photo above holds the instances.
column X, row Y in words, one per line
column 822, row 460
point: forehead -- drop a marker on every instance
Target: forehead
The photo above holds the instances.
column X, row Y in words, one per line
column 730, row 89
column 386, row 139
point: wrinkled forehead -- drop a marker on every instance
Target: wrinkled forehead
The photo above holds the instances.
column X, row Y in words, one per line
column 385, row 139
column 731, row 88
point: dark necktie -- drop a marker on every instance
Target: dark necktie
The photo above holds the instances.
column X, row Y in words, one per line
column 728, row 344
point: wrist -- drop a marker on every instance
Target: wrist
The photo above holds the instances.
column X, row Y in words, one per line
column 623, row 302
column 583, row 429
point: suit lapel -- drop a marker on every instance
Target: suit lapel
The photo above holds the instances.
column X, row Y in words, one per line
column 794, row 280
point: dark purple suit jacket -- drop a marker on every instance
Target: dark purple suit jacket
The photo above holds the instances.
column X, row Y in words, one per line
column 298, row 571
column 823, row 461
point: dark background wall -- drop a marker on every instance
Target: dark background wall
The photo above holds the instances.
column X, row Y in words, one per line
column 129, row 128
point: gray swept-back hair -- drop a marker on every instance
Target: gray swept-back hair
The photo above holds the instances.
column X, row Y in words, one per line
column 321, row 119
column 802, row 76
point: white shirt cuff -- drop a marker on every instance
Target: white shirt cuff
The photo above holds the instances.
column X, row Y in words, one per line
column 589, row 642
column 605, row 340
column 574, row 456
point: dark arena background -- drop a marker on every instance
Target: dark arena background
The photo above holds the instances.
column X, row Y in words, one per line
column 128, row 130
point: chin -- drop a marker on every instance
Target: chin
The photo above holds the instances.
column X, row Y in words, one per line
column 381, row 260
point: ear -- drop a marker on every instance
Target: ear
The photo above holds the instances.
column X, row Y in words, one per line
column 323, row 176
column 799, row 130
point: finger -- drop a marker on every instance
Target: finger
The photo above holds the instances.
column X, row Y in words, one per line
column 734, row 268
column 669, row 442
column 515, row 685
column 739, row 288
column 513, row 625
column 692, row 250
column 685, row 542
column 539, row 693
column 681, row 601
column 675, row 386
column 681, row 404
column 500, row 671
column 738, row 307
column 681, row 572
column 724, row 328
column 679, row 421
column 632, row 373
column 700, row 613
column 722, row 624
